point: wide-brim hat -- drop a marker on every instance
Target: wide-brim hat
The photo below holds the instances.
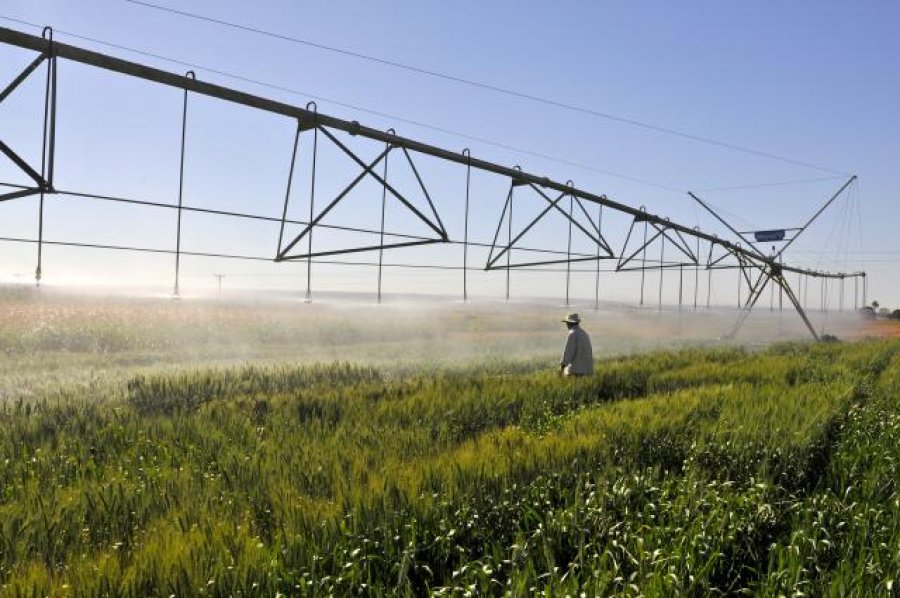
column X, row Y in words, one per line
column 572, row 319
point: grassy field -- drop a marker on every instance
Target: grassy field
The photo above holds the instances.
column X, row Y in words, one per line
column 697, row 471
column 51, row 337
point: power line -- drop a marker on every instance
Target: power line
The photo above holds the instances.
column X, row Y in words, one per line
column 486, row 86
column 770, row 185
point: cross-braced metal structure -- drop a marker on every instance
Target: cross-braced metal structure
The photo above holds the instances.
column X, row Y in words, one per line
column 689, row 247
column 591, row 230
column 432, row 220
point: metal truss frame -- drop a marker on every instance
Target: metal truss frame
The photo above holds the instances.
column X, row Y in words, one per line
column 496, row 251
column 770, row 268
column 662, row 233
column 747, row 258
column 42, row 179
column 368, row 169
column 768, row 273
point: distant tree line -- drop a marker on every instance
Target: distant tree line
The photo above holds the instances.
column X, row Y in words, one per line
column 877, row 311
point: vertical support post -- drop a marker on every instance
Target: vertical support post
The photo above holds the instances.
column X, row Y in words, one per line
column 312, row 200
column 740, row 276
column 51, row 153
column 569, row 251
column 468, row 154
column 865, row 286
column 383, row 206
column 708, row 287
column 855, row 293
column 643, row 261
column 781, row 297
column 771, row 299
column 48, row 149
column 821, row 294
column 512, row 192
column 189, row 74
column 841, row 301
column 680, row 284
column 697, row 274
column 597, row 284
column 662, row 259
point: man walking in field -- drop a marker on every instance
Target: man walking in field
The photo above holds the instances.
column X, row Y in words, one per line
column 578, row 357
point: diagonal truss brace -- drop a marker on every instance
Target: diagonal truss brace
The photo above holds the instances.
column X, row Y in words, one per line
column 593, row 233
column 368, row 169
column 662, row 232
column 768, row 273
column 717, row 262
column 752, row 245
column 19, row 194
column 42, row 184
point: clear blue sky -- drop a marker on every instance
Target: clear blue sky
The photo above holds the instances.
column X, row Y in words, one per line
column 813, row 81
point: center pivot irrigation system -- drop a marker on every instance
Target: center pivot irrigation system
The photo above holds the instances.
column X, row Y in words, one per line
column 694, row 249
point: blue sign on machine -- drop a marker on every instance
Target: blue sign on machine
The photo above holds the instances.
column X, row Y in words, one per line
column 766, row 236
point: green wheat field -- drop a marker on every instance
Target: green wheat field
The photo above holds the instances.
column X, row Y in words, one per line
column 699, row 470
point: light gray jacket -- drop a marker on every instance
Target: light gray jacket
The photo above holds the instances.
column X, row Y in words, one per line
column 578, row 355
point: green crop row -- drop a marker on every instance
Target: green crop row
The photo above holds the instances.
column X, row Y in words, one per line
column 696, row 472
